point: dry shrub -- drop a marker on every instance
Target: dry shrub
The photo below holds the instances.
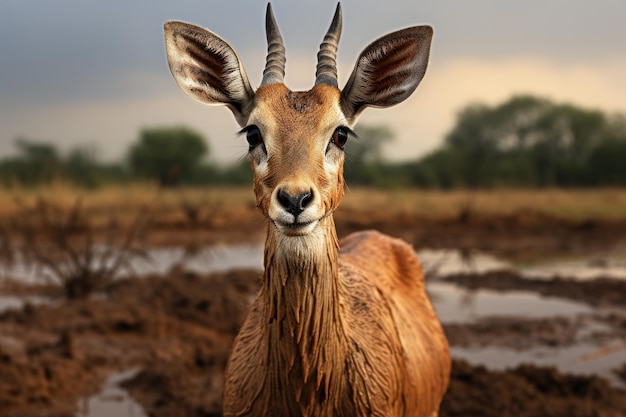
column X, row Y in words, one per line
column 67, row 250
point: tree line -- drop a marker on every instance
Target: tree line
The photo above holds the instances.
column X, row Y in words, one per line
column 526, row 141
column 169, row 156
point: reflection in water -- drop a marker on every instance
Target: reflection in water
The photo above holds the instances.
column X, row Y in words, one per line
column 455, row 304
column 436, row 263
column 443, row 262
column 578, row 359
column 111, row 401
column 459, row 305
column 583, row 270
column 14, row 302
column 207, row 260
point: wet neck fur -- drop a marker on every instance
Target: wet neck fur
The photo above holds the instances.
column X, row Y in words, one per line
column 305, row 333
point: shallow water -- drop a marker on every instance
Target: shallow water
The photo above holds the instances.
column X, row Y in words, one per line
column 207, row 260
column 11, row 302
column 112, row 400
column 160, row 260
column 436, row 263
column 583, row 359
column 441, row 263
column 222, row 258
column 579, row 269
column 455, row 304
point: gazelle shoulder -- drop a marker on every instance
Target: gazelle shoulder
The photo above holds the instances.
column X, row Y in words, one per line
column 382, row 258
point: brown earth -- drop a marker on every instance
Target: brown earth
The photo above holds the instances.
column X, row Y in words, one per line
column 521, row 235
column 178, row 329
column 516, row 235
column 600, row 292
column 528, row 391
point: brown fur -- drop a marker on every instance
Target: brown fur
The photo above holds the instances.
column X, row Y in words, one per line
column 332, row 332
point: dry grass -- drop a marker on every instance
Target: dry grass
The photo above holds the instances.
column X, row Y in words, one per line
column 65, row 248
column 602, row 203
column 124, row 199
column 605, row 203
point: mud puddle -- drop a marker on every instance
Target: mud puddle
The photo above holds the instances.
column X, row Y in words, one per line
column 16, row 302
column 455, row 304
column 503, row 330
column 436, row 263
column 580, row 359
column 177, row 328
column 112, row 400
column 439, row 262
column 579, row 269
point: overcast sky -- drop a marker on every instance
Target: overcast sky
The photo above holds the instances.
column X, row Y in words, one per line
column 76, row 72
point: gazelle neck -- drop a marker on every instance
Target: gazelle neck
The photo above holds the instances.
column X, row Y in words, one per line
column 306, row 337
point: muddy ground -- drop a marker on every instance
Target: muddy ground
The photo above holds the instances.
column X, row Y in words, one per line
column 177, row 329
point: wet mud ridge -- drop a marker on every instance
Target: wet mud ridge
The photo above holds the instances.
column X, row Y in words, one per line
column 599, row 292
column 176, row 332
column 527, row 391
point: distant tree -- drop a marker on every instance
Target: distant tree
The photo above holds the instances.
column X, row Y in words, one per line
column 607, row 164
column 485, row 134
column 524, row 141
column 39, row 163
column 238, row 173
column 37, row 151
column 367, row 146
column 168, row 154
column 442, row 168
column 364, row 160
column 36, row 163
column 81, row 166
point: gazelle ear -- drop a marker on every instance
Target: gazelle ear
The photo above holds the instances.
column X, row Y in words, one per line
column 208, row 69
column 387, row 71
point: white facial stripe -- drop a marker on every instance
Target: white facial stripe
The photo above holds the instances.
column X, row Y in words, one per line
column 261, row 168
column 295, row 167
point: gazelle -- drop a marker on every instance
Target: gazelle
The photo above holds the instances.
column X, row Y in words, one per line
column 337, row 329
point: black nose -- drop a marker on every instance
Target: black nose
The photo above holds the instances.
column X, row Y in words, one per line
column 295, row 205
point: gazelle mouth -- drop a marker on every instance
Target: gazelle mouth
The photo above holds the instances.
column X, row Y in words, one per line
column 296, row 228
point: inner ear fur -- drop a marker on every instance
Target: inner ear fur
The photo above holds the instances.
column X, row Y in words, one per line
column 207, row 68
column 387, row 71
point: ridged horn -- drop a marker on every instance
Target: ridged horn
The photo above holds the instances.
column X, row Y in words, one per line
column 327, row 56
column 274, row 71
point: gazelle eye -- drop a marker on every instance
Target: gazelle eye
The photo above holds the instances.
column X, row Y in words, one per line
column 340, row 137
column 253, row 136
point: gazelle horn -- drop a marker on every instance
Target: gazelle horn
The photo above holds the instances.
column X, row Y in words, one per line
column 327, row 56
column 274, row 71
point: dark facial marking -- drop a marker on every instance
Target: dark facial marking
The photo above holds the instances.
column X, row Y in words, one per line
column 302, row 101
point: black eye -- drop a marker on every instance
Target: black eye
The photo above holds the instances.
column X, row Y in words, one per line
column 253, row 136
column 340, row 137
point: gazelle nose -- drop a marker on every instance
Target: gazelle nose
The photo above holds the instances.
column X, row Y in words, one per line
column 294, row 205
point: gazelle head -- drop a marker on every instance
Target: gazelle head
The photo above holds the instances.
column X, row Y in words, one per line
column 297, row 138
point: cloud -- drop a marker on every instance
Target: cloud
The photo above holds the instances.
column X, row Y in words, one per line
column 78, row 73
column 422, row 121
column 113, row 125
